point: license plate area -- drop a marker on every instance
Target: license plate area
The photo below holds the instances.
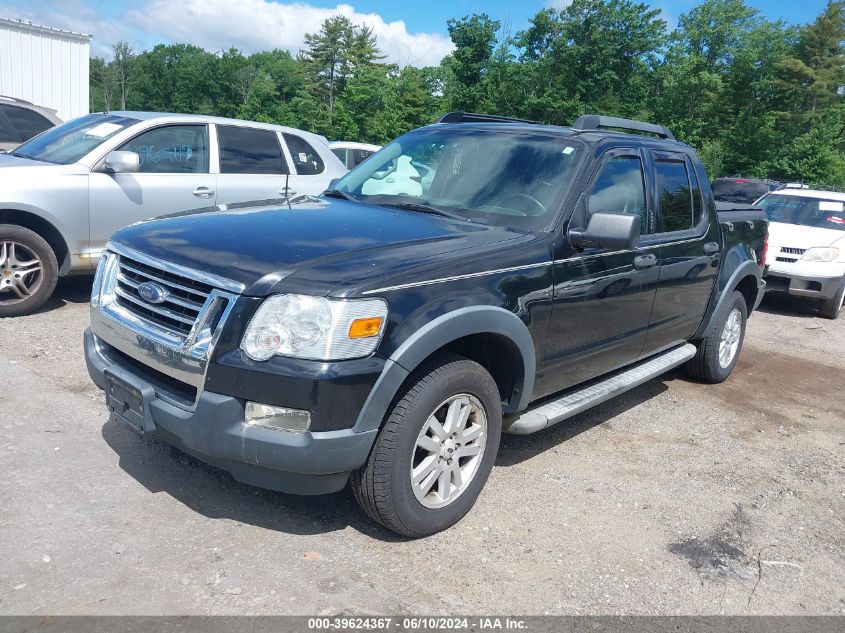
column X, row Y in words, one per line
column 130, row 403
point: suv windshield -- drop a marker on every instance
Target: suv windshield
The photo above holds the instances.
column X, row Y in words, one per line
column 806, row 211
column 506, row 178
column 68, row 143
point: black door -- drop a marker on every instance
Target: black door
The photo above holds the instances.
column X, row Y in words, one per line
column 688, row 251
column 602, row 299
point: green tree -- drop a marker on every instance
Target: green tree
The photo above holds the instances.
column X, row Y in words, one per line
column 815, row 74
column 594, row 55
column 121, row 70
column 474, row 38
column 818, row 155
column 101, row 80
column 335, row 52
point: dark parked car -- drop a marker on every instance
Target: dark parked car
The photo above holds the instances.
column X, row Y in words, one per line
column 742, row 190
column 389, row 339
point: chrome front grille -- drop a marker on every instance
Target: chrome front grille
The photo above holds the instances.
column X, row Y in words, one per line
column 183, row 302
column 792, row 251
column 166, row 336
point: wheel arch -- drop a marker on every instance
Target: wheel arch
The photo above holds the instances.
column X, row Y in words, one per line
column 45, row 229
column 494, row 337
column 746, row 278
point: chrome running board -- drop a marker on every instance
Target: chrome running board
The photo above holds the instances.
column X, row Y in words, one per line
column 571, row 403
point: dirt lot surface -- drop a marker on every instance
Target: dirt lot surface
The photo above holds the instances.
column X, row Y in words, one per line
column 677, row 498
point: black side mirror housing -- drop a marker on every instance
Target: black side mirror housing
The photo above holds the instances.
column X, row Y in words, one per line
column 608, row 230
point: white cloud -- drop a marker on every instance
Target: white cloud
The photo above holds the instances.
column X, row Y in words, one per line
column 559, row 4
column 216, row 25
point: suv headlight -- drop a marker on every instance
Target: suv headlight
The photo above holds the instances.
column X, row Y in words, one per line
column 821, row 254
column 314, row 328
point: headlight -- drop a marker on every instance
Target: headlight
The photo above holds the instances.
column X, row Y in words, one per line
column 314, row 328
column 821, row 254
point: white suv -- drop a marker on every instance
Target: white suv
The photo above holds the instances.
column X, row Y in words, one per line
column 66, row 191
column 806, row 245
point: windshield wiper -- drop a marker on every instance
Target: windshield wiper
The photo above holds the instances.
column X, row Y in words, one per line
column 337, row 193
column 424, row 208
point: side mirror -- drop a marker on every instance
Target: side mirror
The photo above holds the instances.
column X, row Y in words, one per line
column 333, row 183
column 608, row 230
column 122, row 162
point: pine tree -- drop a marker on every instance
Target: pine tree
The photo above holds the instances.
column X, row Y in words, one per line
column 815, row 74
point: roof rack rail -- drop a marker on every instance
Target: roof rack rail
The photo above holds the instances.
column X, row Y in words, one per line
column 15, row 100
column 597, row 122
column 471, row 117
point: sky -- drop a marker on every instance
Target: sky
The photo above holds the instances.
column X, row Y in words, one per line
column 408, row 31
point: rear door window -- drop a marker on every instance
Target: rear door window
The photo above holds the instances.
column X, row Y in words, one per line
column 306, row 160
column 359, row 156
column 171, row 149
column 674, row 194
column 8, row 134
column 738, row 190
column 340, row 153
column 246, row 150
column 26, row 122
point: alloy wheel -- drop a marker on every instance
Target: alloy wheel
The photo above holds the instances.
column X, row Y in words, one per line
column 448, row 451
column 20, row 272
column 729, row 340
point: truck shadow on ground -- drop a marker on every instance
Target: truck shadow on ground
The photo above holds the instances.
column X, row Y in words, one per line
column 212, row 492
column 785, row 305
column 515, row 449
column 76, row 289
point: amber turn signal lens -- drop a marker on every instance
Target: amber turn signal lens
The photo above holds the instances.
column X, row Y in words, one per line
column 365, row 328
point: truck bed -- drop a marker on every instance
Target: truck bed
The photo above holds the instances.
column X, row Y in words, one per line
column 738, row 212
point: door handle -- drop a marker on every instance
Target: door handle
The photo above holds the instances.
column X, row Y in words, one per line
column 287, row 191
column 203, row 192
column 711, row 248
column 645, row 261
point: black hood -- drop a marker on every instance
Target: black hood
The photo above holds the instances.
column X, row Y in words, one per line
column 316, row 246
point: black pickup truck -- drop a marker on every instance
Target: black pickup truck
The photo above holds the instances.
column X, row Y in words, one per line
column 475, row 276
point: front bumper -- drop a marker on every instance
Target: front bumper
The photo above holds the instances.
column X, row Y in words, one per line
column 214, row 432
column 808, row 286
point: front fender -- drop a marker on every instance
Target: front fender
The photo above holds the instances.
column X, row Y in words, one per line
column 436, row 334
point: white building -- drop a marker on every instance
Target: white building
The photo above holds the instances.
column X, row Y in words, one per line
column 46, row 66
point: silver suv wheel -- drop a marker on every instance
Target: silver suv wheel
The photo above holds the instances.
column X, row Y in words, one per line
column 20, row 272
column 448, row 450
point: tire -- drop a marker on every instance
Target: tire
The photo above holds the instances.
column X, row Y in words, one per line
column 23, row 292
column 830, row 308
column 383, row 486
column 709, row 363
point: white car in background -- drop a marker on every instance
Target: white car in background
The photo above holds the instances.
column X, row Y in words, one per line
column 66, row 191
column 806, row 246
column 353, row 154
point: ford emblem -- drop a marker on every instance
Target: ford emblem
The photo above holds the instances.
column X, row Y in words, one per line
column 152, row 292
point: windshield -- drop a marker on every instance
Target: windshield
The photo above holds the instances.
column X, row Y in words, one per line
column 68, row 143
column 504, row 178
column 739, row 190
column 806, row 211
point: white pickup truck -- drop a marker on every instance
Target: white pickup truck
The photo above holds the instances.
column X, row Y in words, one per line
column 806, row 246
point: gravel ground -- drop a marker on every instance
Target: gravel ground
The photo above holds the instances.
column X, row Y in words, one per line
column 676, row 498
